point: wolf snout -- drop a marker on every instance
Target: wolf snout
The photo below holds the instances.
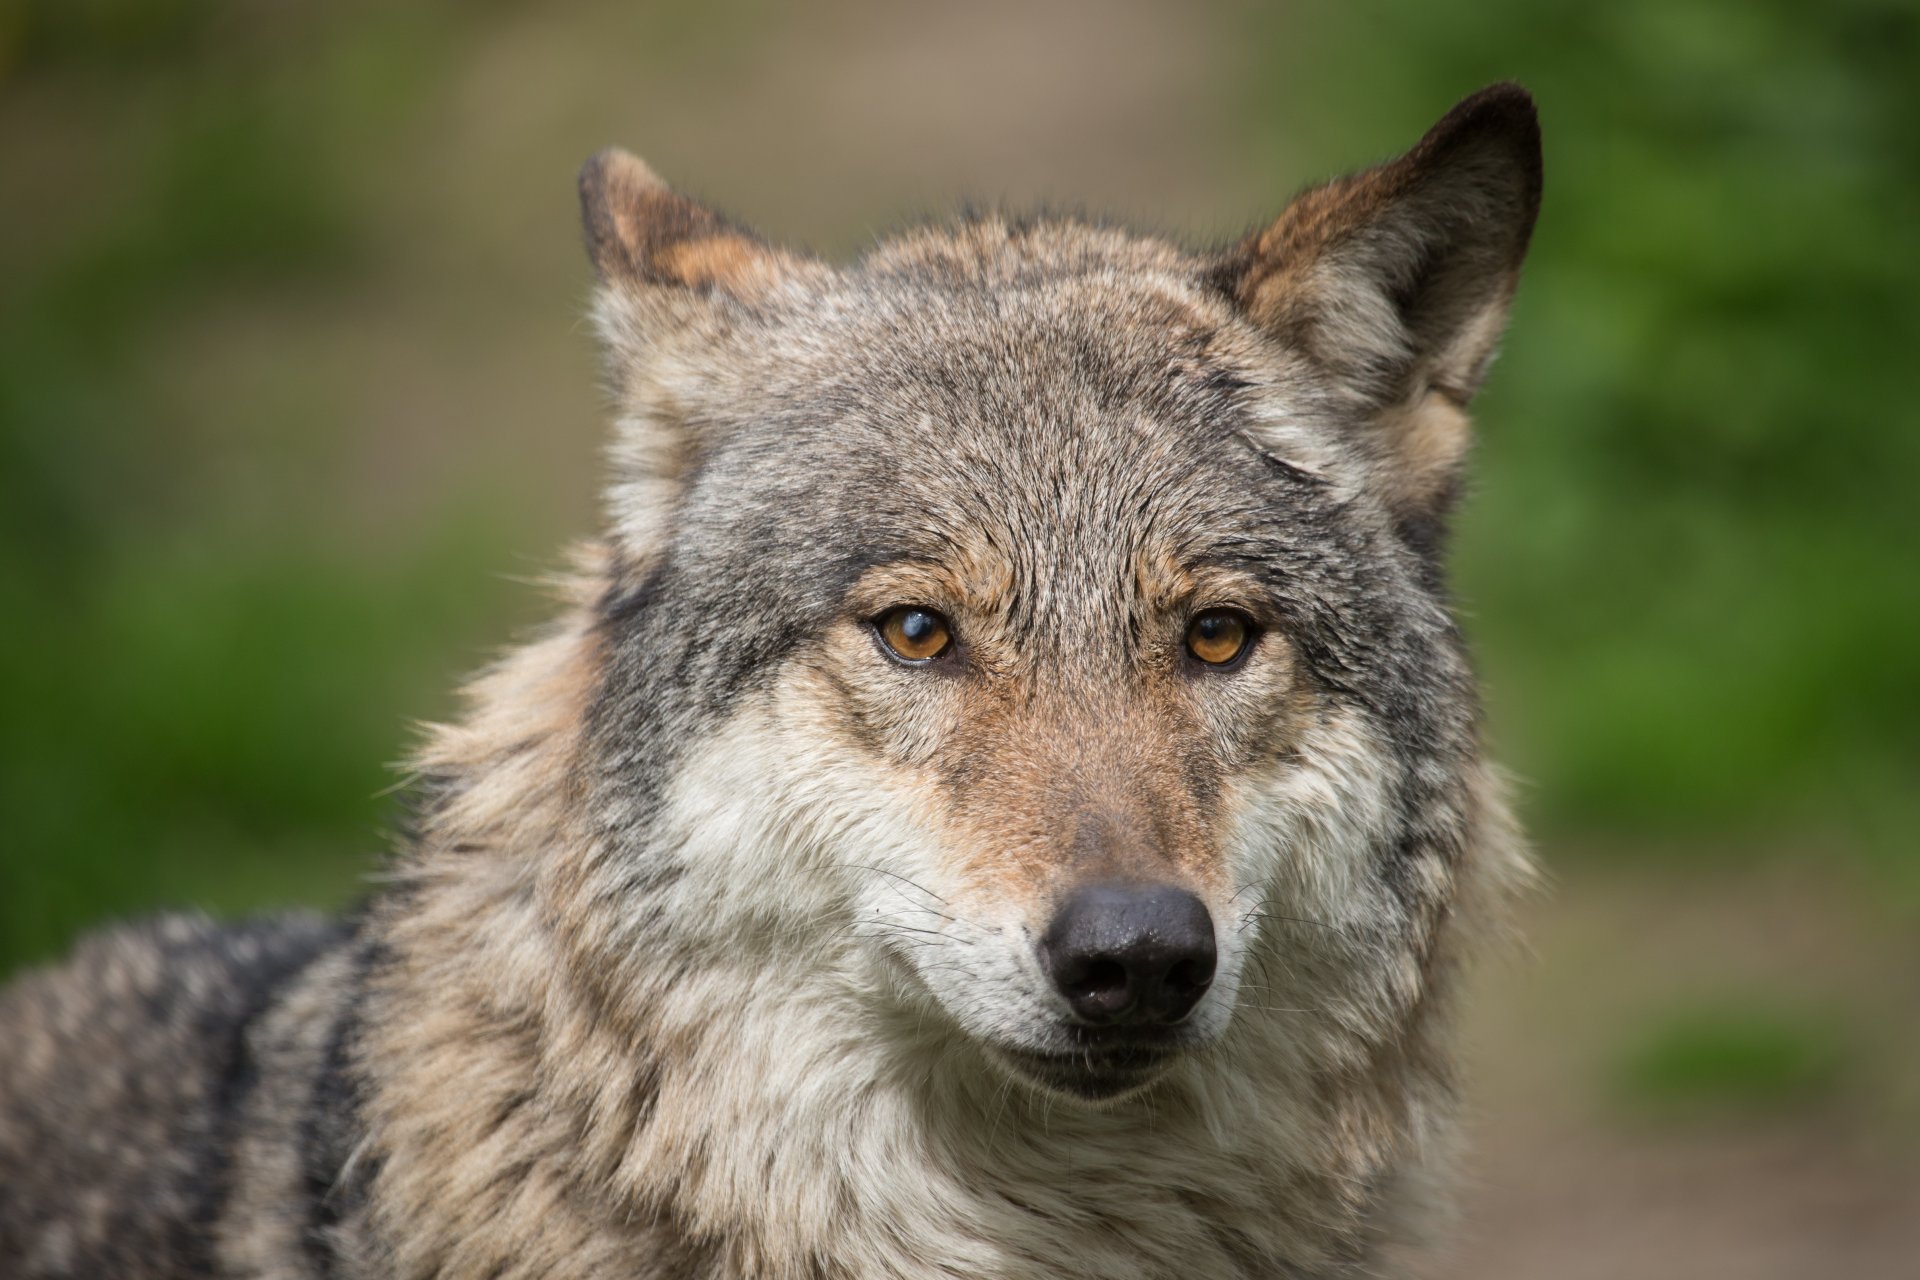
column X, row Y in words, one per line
column 1130, row 955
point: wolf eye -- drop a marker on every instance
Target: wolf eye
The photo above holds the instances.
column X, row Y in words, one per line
column 1219, row 637
column 913, row 634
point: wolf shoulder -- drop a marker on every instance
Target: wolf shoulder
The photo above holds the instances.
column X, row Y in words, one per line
column 123, row 1074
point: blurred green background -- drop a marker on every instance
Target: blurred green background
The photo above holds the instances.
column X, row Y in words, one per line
column 295, row 397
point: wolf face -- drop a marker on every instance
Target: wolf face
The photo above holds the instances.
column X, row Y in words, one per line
column 1041, row 628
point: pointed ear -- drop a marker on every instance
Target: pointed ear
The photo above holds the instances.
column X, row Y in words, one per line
column 1396, row 281
column 668, row 268
column 640, row 232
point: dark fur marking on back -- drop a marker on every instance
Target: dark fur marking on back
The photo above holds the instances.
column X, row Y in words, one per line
column 327, row 1130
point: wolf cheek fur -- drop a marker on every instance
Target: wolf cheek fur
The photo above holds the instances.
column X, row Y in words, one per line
column 1102, row 919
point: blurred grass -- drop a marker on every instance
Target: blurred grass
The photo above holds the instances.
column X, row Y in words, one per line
column 1731, row 1058
column 1690, row 565
column 201, row 702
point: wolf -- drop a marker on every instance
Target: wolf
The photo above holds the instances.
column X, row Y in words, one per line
column 1003, row 798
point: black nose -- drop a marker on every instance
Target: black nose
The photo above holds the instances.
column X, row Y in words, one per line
column 1139, row 955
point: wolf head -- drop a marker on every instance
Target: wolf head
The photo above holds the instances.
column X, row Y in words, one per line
column 1042, row 627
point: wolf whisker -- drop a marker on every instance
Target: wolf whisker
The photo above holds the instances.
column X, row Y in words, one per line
column 907, row 928
column 861, row 866
column 1247, row 919
column 1249, row 887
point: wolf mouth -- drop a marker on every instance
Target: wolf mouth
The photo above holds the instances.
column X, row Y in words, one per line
column 1096, row 1073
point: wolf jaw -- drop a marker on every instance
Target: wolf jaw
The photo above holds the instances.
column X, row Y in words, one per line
column 716, row 952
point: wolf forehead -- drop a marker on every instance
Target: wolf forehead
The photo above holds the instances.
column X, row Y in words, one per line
column 909, row 414
column 998, row 348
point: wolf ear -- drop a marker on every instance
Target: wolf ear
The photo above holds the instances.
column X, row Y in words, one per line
column 1396, row 282
column 641, row 233
column 669, row 267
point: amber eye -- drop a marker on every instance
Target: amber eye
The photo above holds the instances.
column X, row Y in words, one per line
column 1219, row 636
column 913, row 634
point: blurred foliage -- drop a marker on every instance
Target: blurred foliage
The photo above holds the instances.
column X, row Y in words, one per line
column 116, row 33
column 200, row 707
column 1730, row 1057
column 1690, row 566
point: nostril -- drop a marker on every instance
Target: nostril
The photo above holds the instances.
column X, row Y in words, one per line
column 1099, row 988
column 1096, row 978
column 1183, row 986
column 1190, row 976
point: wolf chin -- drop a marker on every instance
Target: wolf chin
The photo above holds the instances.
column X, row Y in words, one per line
column 1003, row 798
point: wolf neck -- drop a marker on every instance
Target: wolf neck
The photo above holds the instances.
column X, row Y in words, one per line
column 560, row 1098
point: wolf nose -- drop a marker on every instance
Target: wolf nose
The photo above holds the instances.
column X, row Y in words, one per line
column 1135, row 955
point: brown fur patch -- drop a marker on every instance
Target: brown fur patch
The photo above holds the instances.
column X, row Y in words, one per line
column 1049, row 790
column 731, row 262
column 640, row 231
